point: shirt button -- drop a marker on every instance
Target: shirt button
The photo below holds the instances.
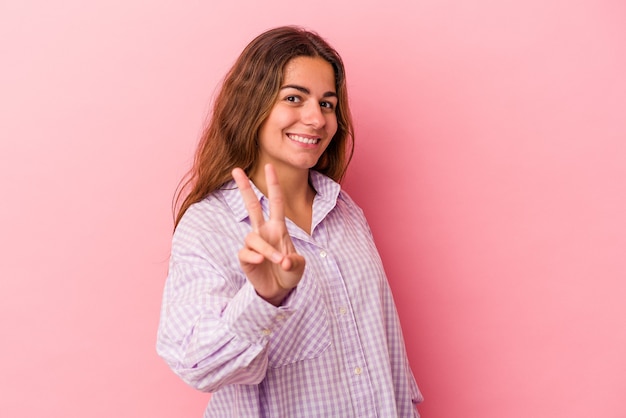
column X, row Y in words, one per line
column 280, row 317
column 357, row 370
column 266, row 332
column 342, row 310
column 323, row 254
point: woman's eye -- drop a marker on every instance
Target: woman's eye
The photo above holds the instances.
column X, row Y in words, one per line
column 293, row 99
column 328, row 105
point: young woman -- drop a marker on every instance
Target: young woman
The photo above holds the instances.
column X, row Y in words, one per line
column 276, row 299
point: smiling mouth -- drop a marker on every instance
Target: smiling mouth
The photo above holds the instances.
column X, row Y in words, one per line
column 304, row 139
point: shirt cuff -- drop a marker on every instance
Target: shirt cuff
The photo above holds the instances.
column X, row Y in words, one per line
column 251, row 317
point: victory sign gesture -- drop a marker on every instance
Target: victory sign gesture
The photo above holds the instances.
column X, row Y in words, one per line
column 268, row 258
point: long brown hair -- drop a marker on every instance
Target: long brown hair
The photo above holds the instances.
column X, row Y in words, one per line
column 245, row 100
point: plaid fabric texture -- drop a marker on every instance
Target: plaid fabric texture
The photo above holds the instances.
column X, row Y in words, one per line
column 335, row 347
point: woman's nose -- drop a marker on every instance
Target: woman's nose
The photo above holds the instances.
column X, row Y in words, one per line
column 312, row 115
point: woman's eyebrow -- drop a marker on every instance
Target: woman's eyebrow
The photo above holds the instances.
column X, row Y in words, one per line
column 307, row 91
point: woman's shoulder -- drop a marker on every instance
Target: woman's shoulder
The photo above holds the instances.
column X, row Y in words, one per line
column 214, row 211
column 345, row 197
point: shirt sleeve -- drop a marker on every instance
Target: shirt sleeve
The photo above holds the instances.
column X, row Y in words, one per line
column 214, row 328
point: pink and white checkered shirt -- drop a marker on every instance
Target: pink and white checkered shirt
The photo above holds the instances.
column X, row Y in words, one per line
column 333, row 349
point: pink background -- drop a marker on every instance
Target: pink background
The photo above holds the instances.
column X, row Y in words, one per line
column 491, row 163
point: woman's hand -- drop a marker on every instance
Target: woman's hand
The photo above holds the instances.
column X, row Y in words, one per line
column 268, row 257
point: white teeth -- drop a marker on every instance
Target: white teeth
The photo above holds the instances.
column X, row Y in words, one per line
column 304, row 140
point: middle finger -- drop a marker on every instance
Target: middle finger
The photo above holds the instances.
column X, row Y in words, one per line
column 275, row 195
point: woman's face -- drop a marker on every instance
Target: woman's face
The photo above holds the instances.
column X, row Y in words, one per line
column 303, row 121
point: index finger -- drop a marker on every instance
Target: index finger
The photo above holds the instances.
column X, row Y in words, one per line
column 249, row 199
column 275, row 194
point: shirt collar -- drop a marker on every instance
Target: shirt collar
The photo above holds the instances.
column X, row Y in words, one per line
column 327, row 191
column 230, row 191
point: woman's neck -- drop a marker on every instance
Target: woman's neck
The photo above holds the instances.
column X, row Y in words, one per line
column 297, row 193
